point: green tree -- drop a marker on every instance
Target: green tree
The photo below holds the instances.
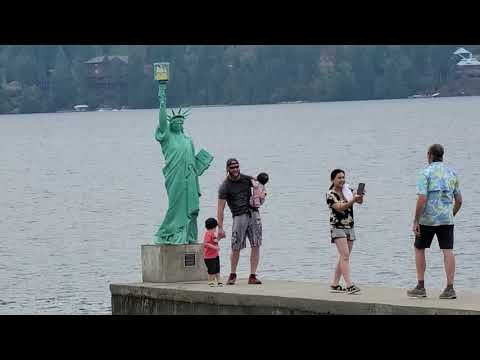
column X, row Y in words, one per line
column 5, row 105
column 79, row 75
column 26, row 67
column 345, row 81
column 32, row 100
column 135, row 80
column 63, row 90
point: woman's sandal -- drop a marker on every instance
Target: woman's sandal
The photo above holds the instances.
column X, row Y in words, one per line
column 337, row 289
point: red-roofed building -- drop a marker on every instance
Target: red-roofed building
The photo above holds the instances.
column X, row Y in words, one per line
column 107, row 79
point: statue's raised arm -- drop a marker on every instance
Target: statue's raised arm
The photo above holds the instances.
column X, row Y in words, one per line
column 163, row 126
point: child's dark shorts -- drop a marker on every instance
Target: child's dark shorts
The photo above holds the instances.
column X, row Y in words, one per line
column 213, row 265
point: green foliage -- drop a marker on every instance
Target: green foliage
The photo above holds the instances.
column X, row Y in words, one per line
column 63, row 88
column 55, row 78
column 5, row 105
column 32, row 100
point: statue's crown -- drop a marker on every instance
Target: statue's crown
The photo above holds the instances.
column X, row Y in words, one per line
column 179, row 115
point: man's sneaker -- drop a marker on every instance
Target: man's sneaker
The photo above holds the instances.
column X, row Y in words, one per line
column 337, row 289
column 253, row 280
column 219, row 284
column 352, row 289
column 417, row 292
column 231, row 279
column 212, row 283
column 448, row 293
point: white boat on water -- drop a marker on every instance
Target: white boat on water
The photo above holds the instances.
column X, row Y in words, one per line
column 423, row 96
column 80, row 107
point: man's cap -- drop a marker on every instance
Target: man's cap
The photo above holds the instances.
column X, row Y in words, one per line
column 232, row 161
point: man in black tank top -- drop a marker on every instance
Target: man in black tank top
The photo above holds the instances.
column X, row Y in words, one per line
column 236, row 191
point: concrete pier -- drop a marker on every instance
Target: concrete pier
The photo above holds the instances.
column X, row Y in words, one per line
column 276, row 297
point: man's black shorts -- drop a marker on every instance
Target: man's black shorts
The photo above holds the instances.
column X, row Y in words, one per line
column 444, row 235
column 213, row 265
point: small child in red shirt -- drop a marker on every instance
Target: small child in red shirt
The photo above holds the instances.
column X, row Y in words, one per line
column 210, row 252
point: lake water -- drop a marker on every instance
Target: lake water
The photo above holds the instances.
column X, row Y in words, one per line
column 81, row 192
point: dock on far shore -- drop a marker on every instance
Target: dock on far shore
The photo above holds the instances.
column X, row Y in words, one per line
column 279, row 297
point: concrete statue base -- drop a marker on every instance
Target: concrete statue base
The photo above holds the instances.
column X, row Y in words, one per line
column 173, row 263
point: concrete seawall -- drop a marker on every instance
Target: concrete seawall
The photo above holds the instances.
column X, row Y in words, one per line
column 276, row 297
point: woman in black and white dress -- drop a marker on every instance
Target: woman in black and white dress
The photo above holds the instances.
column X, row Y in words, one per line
column 341, row 228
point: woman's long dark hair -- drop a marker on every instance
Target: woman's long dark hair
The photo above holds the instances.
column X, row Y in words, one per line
column 333, row 174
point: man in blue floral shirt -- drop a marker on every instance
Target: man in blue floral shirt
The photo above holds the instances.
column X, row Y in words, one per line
column 439, row 200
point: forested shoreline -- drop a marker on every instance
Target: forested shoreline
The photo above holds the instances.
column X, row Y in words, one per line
column 49, row 78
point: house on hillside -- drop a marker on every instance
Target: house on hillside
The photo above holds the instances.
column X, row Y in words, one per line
column 465, row 76
column 467, row 66
column 100, row 68
column 13, row 88
column 107, row 79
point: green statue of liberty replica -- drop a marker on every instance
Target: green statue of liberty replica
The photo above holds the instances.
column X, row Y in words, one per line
column 182, row 169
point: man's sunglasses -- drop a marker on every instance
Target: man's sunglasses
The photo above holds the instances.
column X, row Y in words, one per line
column 234, row 166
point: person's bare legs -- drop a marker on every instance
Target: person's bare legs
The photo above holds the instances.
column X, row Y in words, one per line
column 449, row 262
column 344, row 258
column 254, row 259
column 338, row 274
column 338, row 271
column 350, row 246
column 211, row 278
column 420, row 266
column 420, row 263
column 234, row 257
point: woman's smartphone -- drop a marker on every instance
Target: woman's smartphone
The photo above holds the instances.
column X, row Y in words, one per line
column 361, row 189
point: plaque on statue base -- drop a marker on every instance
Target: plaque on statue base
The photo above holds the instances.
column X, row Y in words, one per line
column 173, row 263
